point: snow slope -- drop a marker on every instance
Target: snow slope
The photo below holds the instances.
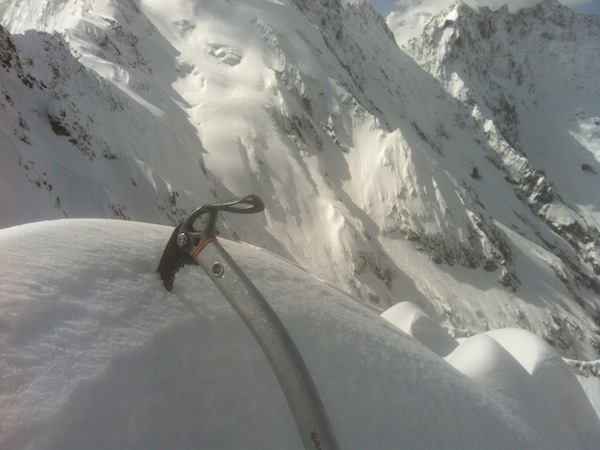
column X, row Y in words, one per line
column 377, row 178
column 97, row 354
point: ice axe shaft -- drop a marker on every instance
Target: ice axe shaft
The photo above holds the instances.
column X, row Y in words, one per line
column 278, row 346
column 201, row 247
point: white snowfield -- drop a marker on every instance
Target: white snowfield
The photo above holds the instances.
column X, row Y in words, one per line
column 96, row 354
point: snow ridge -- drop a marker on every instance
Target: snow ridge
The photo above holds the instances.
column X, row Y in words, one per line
column 97, row 354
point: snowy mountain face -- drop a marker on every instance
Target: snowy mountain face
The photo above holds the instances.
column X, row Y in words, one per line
column 530, row 81
column 460, row 176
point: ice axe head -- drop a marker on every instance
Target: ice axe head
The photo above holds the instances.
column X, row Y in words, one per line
column 188, row 239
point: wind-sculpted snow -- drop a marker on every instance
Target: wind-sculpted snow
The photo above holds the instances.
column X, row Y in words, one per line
column 553, row 376
column 413, row 321
column 96, row 354
column 376, row 176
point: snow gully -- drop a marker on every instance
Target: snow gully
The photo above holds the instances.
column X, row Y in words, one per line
column 199, row 246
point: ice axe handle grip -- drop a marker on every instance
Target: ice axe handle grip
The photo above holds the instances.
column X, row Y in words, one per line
column 247, row 205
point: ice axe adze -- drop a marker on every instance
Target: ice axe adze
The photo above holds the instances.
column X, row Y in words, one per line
column 199, row 246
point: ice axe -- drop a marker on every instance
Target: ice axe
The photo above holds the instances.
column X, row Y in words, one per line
column 199, row 246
